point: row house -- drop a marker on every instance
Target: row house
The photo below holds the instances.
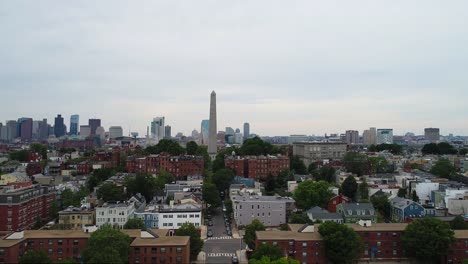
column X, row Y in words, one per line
column 147, row 246
column 257, row 167
column 76, row 218
column 21, row 208
column 179, row 166
column 403, row 209
column 354, row 212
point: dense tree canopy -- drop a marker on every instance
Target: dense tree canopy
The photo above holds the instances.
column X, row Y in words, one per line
column 402, row 192
column 250, row 236
column 163, row 178
column 342, row 243
column 310, row 193
column 382, row 205
column 463, row 151
column 39, row 148
column 107, row 245
column 35, row 257
column 326, row 173
column 298, row 166
column 110, row 192
column 142, row 183
column 167, row 146
column 196, row 243
column 266, row 260
column 274, row 252
column 442, row 148
column 356, row 163
column 223, row 179
column 70, row 198
column 218, row 163
column 379, row 165
column 134, row 223
column 191, row 148
column 395, row 149
column 19, row 155
column 211, row 194
column 427, row 239
column 363, row 189
column 299, row 218
column 99, row 176
column 256, row 146
column 349, row 187
column 444, row 168
column 458, row 223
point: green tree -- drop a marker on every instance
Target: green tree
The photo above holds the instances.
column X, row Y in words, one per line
column 109, row 192
column 299, row 218
column 267, row 260
column 402, row 192
column 250, row 229
column 19, row 155
column 223, row 179
column 191, row 148
column 430, row 148
column 310, row 193
column 166, row 146
column 203, row 151
column 210, row 194
column 463, row 151
column 349, row 187
column 427, row 239
column 39, row 148
column 443, row 148
column 163, row 178
column 298, row 166
column 326, row 173
column 35, row 257
column 228, row 204
column 107, row 245
column 382, row 205
column 274, row 252
column 270, row 184
column 54, row 209
column 282, row 179
column 196, row 243
column 378, row 165
column 66, row 261
column 342, row 243
column 355, row 163
column 458, row 223
column 142, row 183
column 444, row 168
column 256, row 146
column 134, row 223
column 97, row 177
column 364, row 189
column 312, row 168
column 70, row 198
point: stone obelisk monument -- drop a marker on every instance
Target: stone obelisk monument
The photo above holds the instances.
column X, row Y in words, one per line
column 212, row 148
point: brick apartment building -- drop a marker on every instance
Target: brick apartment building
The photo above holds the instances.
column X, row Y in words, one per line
column 151, row 246
column 21, row 208
column 382, row 243
column 179, row 166
column 257, row 167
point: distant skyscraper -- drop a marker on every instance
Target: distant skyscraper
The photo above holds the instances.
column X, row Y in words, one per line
column 246, row 130
column 167, row 132
column 221, row 137
column 115, row 132
column 85, row 131
column 195, row 134
column 369, row 137
column 238, row 138
column 74, row 124
column 12, row 131
column 352, row 137
column 432, row 134
column 157, row 128
column 205, row 128
column 212, row 146
column 93, row 125
column 59, row 126
column 101, row 133
column 43, row 129
column 384, row 136
column 229, row 131
column 2, row 132
column 26, row 129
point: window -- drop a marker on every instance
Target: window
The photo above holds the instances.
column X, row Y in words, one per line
column 304, row 254
column 59, row 251
column 178, row 260
column 154, row 250
column 379, row 243
column 163, row 250
column 304, row 244
column 366, row 252
column 275, row 243
column 75, row 242
column 136, row 250
column 378, row 234
column 394, row 252
column 291, row 243
column 60, row 242
column 50, row 251
column 50, row 242
column 178, row 250
column 394, row 244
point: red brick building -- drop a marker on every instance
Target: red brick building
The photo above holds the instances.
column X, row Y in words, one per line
column 339, row 199
column 21, row 208
column 153, row 246
column 257, row 167
column 179, row 166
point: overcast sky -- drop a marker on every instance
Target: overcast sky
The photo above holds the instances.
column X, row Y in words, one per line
column 287, row 67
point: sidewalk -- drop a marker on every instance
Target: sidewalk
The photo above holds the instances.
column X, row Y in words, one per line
column 242, row 256
column 201, row 258
column 235, row 232
column 203, row 230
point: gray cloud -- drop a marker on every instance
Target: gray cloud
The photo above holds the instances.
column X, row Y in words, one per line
column 296, row 67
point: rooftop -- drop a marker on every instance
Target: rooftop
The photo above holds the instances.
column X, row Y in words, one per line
column 256, row 198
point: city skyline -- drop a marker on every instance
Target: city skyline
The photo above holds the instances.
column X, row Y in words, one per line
column 322, row 68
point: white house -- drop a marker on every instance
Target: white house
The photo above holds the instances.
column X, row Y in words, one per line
column 115, row 214
column 174, row 216
column 424, row 189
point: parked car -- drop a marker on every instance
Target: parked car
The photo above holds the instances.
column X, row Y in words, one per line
column 229, row 233
column 234, row 260
column 209, row 233
column 210, row 223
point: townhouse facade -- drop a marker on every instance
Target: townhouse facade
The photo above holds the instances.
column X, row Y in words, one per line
column 115, row 214
column 179, row 166
column 257, row 167
column 403, row 209
column 354, row 212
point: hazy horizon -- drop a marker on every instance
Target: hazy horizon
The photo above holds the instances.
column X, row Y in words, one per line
column 307, row 67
